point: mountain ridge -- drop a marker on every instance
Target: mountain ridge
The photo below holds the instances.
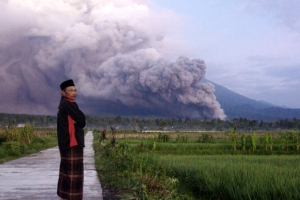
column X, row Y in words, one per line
column 239, row 106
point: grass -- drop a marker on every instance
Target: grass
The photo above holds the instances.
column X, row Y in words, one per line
column 13, row 149
column 201, row 166
column 132, row 172
column 237, row 176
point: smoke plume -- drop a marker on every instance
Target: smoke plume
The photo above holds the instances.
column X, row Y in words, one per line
column 112, row 51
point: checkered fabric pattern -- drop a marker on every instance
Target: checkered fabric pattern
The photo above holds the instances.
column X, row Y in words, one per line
column 70, row 182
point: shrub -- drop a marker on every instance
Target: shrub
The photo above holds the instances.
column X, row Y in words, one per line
column 163, row 138
column 14, row 148
column 205, row 138
column 232, row 137
column 3, row 138
column 290, row 141
column 181, row 138
column 21, row 141
column 21, row 135
column 134, row 170
column 243, row 141
column 252, row 141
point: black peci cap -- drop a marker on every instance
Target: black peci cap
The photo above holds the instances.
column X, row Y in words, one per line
column 66, row 84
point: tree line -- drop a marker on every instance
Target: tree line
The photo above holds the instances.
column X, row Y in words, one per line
column 139, row 123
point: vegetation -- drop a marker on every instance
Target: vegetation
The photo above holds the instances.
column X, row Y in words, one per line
column 144, row 124
column 236, row 176
column 131, row 173
column 19, row 141
column 203, row 165
column 22, row 119
column 177, row 158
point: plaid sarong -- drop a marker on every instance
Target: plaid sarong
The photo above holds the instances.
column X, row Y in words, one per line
column 70, row 182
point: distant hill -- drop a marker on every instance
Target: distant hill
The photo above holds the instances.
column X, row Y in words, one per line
column 236, row 106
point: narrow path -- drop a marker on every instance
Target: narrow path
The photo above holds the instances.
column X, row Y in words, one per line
column 35, row 176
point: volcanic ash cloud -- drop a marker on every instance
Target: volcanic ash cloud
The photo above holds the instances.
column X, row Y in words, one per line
column 112, row 50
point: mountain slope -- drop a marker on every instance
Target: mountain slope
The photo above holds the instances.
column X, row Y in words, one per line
column 236, row 106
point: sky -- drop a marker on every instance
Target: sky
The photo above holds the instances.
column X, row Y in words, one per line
column 116, row 51
column 148, row 56
column 251, row 47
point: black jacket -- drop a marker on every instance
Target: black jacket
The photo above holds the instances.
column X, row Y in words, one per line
column 69, row 108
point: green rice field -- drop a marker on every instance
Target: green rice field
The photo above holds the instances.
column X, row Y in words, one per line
column 237, row 176
column 218, row 166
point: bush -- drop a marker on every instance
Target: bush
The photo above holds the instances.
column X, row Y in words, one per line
column 205, row 138
column 163, row 138
column 17, row 142
column 3, row 138
column 182, row 139
column 134, row 170
column 22, row 135
column 14, row 148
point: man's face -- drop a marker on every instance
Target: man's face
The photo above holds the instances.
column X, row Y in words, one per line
column 69, row 92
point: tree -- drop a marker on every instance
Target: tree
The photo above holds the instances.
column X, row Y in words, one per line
column 253, row 123
column 118, row 119
column 163, row 125
column 295, row 123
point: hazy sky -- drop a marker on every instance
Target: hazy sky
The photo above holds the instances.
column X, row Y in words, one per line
column 251, row 47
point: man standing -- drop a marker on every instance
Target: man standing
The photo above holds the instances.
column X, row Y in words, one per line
column 70, row 123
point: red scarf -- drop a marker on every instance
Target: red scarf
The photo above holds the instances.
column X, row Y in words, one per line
column 73, row 141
